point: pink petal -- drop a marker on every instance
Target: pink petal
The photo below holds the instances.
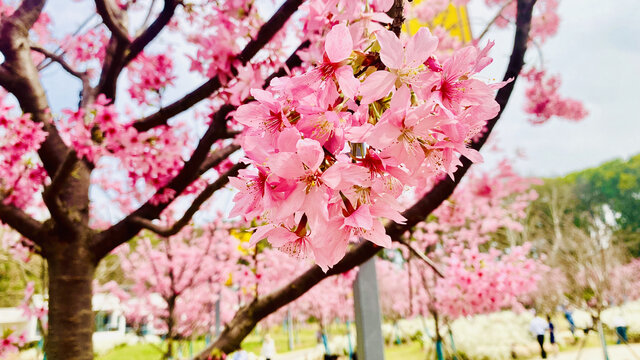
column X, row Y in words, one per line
column 260, row 233
column 348, row 83
column 419, row 47
column 338, row 44
column 287, row 139
column 391, row 49
column 310, row 153
column 401, row 99
column 286, row 165
column 377, row 86
column 378, row 236
column 361, row 218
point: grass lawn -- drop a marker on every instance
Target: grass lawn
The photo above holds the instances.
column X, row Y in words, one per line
column 408, row 351
column 134, row 352
column 305, row 337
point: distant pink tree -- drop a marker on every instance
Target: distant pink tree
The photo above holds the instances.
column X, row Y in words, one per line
column 475, row 273
column 173, row 283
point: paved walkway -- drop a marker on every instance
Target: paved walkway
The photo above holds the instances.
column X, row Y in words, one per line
column 616, row 352
column 303, row 354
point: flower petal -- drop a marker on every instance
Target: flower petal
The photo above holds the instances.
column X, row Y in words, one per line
column 377, row 86
column 419, row 47
column 338, row 44
column 391, row 49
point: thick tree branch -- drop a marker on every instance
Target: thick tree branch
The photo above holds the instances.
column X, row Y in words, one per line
column 265, row 34
column 110, row 16
column 193, row 208
column 5, row 76
column 51, row 192
column 111, row 68
column 24, row 81
column 215, row 158
column 248, row 316
column 28, row 12
column 21, row 222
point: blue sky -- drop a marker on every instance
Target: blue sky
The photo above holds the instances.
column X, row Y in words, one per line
column 597, row 53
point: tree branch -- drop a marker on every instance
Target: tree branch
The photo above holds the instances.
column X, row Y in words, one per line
column 28, row 13
column 292, row 62
column 195, row 206
column 215, row 158
column 21, row 222
column 421, row 255
column 109, row 13
column 152, row 31
column 266, row 32
column 51, row 192
column 82, row 75
column 495, row 18
column 248, row 316
column 6, row 76
column 121, row 232
column 24, row 82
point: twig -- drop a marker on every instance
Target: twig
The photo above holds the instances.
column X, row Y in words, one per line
column 495, row 18
column 422, row 256
column 82, row 75
column 195, row 206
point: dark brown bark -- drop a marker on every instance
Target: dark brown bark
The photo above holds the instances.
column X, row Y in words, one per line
column 71, row 320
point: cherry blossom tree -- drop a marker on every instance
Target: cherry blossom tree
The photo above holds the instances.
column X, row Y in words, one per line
column 474, row 272
column 174, row 283
column 332, row 133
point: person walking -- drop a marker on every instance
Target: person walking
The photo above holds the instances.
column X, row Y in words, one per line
column 621, row 329
column 568, row 314
column 552, row 337
column 538, row 327
column 268, row 348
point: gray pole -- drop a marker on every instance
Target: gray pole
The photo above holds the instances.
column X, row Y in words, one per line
column 367, row 309
column 218, row 322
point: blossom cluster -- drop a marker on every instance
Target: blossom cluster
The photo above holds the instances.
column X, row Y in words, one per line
column 21, row 174
column 154, row 156
column 334, row 147
column 149, row 75
column 478, row 277
column 484, row 282
column 544, row 102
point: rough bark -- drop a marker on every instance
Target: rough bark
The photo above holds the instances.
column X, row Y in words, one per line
column 71, row 320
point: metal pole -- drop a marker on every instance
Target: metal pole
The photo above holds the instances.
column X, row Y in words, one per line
column 602, row 339
column 367, row 309
column 218, row 322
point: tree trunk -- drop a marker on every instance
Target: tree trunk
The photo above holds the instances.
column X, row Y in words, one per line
column 71, row 319
column 171, row 304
